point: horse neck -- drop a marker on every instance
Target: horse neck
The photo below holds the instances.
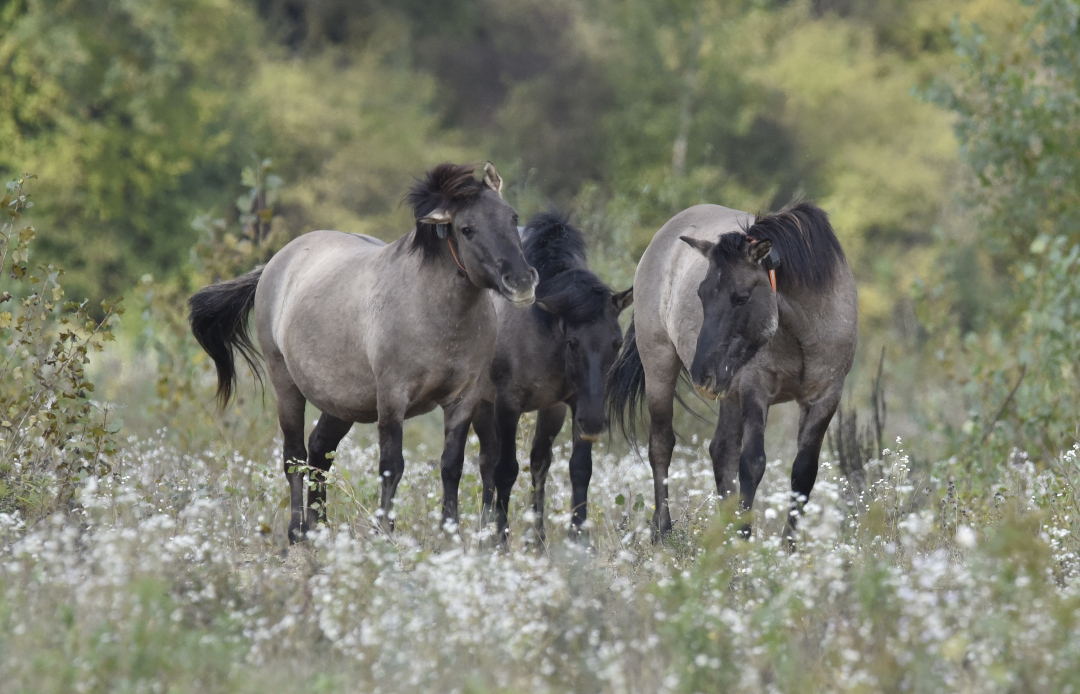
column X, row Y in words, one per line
column 448, row 288
column 806, row 313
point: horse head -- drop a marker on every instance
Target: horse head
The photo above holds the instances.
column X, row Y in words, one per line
column 467, row 220
column 587, row 323
column 740, row 310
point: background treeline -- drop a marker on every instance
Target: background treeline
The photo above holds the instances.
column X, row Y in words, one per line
column 138, row 118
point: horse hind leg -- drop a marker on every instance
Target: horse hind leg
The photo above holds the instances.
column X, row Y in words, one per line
column 813, row 423
column 291, row 404
column 328, row 433
column 660, row 397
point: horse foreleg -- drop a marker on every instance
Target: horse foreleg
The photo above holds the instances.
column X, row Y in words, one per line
column 549, row 422
column 755, row 409
column 726, row 446
column 456, row 422
column 323, row 442
column 813, row 423
column 580, row 474
column 484, row 425
column 506, row 470
column 391, row 462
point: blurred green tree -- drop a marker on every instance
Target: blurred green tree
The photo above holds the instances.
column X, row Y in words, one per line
column 131, row 114
column 1018, row 108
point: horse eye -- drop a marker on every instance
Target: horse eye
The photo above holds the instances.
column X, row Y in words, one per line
column 572, row 343
column 515, row 220
column 737, row 300
column 467, row 232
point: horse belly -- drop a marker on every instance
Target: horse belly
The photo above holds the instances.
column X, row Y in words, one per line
column 337, row 382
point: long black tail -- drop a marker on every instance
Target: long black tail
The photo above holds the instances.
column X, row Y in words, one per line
column 626, row 386
column 219, row 322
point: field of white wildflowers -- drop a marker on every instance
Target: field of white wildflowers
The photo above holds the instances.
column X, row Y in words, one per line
column 174, row 576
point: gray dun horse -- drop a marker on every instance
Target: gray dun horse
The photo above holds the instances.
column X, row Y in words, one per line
column 760, row 312
column 368, row 331
column 554, row 356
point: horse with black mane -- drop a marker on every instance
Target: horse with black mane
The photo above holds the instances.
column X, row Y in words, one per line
column 761, row 312
column 374, row 332
column 554, row 356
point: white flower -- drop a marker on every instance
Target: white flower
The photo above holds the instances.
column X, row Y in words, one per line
column 966, row 537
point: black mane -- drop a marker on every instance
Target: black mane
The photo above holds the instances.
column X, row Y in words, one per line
column 567, row 288
column 552, row 245
column 809, row 250
column 449, row 186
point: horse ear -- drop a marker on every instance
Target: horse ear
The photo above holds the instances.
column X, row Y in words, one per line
column 700, row 245
column 492, row 178
column 623, row 299
column 759, row 250
column 436, row 216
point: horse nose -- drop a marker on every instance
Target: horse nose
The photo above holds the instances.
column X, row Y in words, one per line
column 590, row 428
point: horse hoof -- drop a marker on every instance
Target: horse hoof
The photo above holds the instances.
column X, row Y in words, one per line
column 297, row 533
column 744, row 531
column 580, row 535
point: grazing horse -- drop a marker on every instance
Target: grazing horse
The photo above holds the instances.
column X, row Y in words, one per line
column 546, row 359
column 375, row 332
column 761, row 312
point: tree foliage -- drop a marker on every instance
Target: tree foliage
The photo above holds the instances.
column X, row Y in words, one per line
column 1018, row 107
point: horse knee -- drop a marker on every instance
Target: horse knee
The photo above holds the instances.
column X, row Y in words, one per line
column 506, row 474
column 451, row 474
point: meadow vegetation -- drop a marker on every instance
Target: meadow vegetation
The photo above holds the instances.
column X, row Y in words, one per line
column 142, row 544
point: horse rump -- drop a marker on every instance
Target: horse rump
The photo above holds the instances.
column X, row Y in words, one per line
column 218, row 317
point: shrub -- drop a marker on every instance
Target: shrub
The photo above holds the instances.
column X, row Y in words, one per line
column 51, row 432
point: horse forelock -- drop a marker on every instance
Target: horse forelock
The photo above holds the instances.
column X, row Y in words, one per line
column 450, row 187
column 552, row 245
column 809, row 250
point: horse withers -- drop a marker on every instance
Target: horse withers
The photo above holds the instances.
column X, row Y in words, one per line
column 547, row 359
column 375, row 332
column 760, row 312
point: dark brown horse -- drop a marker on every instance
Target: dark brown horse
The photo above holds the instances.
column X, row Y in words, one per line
column 707, row 302
column 551, row 357
column 368, row 332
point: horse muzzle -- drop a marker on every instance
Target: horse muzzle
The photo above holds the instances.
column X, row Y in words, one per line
column 523, row 293
column 708, row 393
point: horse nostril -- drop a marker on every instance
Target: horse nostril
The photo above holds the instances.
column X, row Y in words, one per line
column 506, row 280
column 535, row 276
